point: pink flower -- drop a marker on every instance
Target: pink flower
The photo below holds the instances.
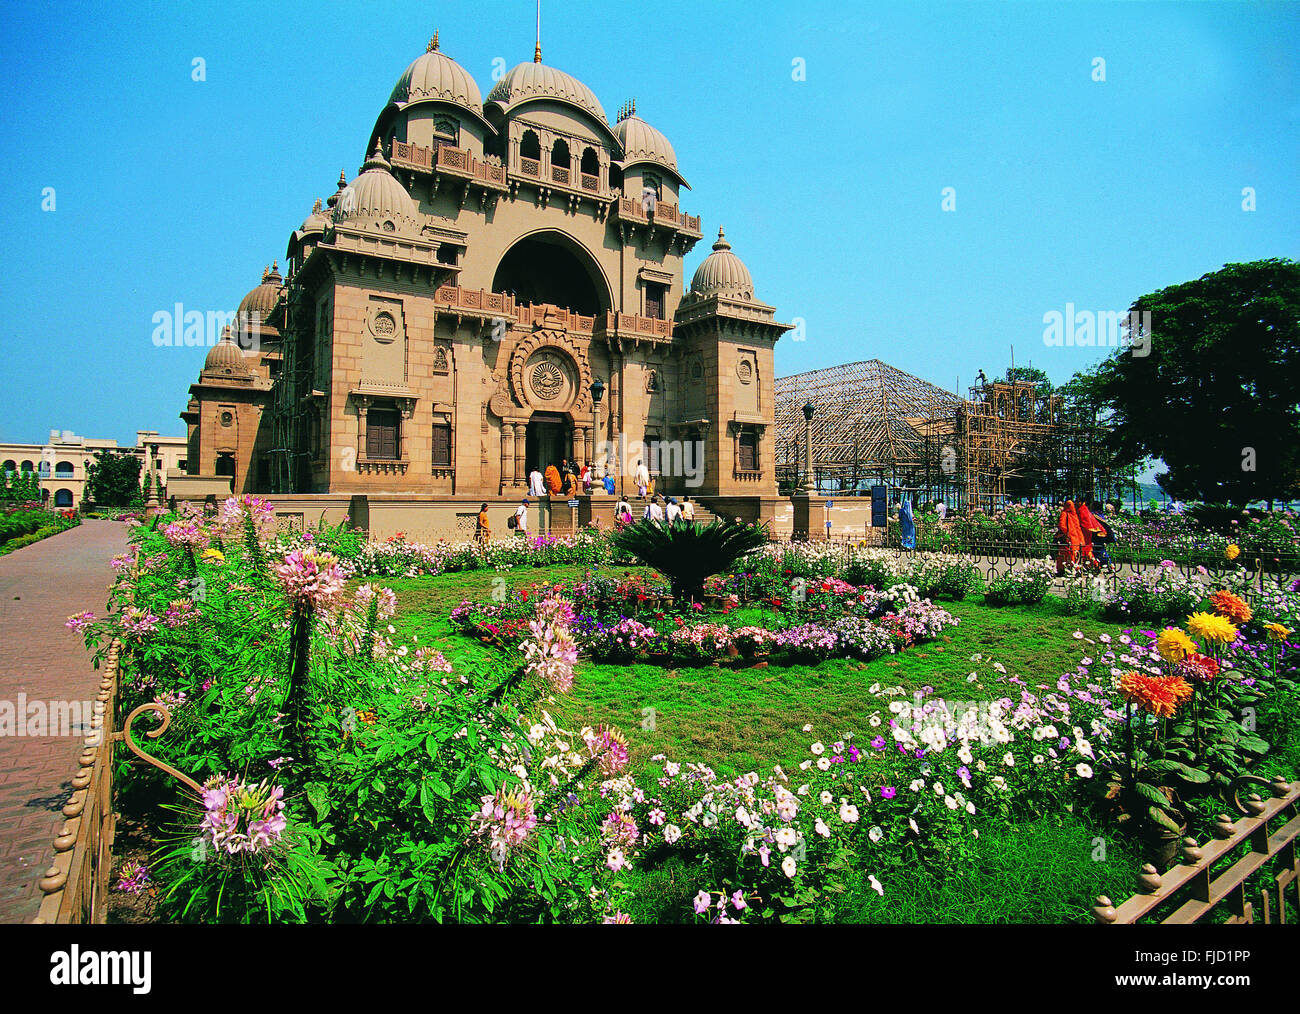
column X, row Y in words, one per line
column 702, row 902
column 311, row 578
column 80, row 621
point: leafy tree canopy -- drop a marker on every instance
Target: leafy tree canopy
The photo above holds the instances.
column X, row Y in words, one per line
column 113, row 479
column 1217, row 398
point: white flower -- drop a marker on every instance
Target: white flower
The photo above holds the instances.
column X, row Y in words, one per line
column 917, row 785
column 912, row 823
column 671, row 833
column 949, row 802
column 849, row 813
column 821, row 828
column 874, row 721
column 788, row 866
column 876, row 833
column 1009, row 759
column 970, row 807
column 1083, row 770
column 808, row 727
column 826, row 798
column 805, row 765
column 823, row 763
column 875, row 885
column 1039, row 758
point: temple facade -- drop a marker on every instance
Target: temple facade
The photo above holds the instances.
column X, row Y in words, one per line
column 500, row 287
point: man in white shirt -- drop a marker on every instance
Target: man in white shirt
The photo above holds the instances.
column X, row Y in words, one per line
column 941, row 509
column 655, row 512
column 642, row 478
column 673, row 513
column 535, row 482
column 521, row 517
column 688, row 509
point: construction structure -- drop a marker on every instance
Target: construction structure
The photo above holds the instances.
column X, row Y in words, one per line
column 873, row 424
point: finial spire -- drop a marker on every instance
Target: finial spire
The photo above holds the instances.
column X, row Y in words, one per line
column 432, row 47
column 627, row 109
column 537, row 53
column 722, row 243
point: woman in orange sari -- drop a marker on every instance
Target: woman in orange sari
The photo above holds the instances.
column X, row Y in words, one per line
column 1069, row 538
column 1088, row 527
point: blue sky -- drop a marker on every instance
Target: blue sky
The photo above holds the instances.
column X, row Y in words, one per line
column 1067, row 190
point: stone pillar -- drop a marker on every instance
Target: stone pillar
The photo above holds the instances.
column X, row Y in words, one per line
column 507, row 454
column 363, row 410
column 407, row 409
column 521, row 451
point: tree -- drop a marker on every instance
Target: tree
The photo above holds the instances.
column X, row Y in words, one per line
column 1032, row 374
column 688, row 554
column 1214, row 397
column 113, row 479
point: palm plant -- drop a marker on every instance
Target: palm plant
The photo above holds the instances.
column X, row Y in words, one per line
column 688, row 554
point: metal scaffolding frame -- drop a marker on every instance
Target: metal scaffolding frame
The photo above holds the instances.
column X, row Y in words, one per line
column 877, row 425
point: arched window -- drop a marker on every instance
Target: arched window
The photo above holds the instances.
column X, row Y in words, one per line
column 63, row 498
column 560, row 157
column 530, row 146
column 63, row 470
column 446, row 131
column 28, row 466
column 653, row 182
column 11, row 467
column 590, row 163
column 226, row 465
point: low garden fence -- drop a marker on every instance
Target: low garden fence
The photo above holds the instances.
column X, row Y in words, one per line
column 1230, row 871
column 75, row 886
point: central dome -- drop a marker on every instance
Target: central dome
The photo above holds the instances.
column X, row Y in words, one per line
column 537, row 81
column 376, row 198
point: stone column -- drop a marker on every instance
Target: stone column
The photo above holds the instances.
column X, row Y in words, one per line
column 407, row 409
column 363, row 410
column 507, row 453
column 521, row 452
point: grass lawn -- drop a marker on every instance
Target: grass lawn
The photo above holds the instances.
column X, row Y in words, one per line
column 747, row 719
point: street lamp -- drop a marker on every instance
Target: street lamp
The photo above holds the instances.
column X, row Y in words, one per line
column 808, row 411
column 597, row 390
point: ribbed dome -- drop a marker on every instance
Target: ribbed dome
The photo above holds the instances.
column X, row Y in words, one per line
column 315, row 222
column 225, row 356
column 376, row 198
column 262, row 299
column 723, row 273
column 642, row 143
column 435, row 76
column 536, row 80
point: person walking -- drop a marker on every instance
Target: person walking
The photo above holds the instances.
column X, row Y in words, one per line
column 570, row 484
column 1101, row 542
column 553, row 481
column 1069, row 538
column 641, row 478
column 482, row 529
column 608, row 482
column 584, row 477
column 521, row 517
column 673, row 513
column 1090, row 529
column 688, row 510
column 906, row 525
column 535, row 483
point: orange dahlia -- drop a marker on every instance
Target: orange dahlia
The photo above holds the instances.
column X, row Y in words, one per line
column 1160, row 695
column 1231, row 606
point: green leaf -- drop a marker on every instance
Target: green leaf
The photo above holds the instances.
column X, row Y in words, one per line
column 1254, row 744
column 1163, row 819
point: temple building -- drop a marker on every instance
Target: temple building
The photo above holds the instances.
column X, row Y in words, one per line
column 500, row 286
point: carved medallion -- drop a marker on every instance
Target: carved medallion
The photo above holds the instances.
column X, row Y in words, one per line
column 745, row 371
column 547, row 380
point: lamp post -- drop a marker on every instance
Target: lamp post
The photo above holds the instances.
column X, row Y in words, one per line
column 597, row 390
column 809, row 486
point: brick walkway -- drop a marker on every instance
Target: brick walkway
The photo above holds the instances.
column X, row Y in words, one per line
column 40, row 587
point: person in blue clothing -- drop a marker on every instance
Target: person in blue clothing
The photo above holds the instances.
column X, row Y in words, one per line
column 906, row 526
column 609, row 484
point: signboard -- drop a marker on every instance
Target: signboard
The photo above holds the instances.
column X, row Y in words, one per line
column 573, row 503
column 879, row 506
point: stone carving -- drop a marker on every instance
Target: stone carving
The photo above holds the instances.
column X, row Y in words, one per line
column 745, row 371
column 547, row 380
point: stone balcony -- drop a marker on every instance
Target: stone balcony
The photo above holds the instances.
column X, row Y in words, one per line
column 456, row 163
column 665, row 215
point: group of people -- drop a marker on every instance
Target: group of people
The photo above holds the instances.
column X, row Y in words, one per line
column 564, row 481
column 658, row 510
column 1082, row 538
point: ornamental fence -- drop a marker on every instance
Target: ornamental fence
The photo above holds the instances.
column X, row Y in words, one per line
column 1244, row 861
column 75, row 885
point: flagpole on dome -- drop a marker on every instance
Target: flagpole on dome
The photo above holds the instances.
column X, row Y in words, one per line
column 537, row 53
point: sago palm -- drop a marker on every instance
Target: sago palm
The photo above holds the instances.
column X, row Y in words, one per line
column 688, row 554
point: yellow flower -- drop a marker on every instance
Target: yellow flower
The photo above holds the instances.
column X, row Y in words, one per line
column 1277, row 632
column 1211, row 627
column 1232, row 552
column 214, row 554
column 1174, row 645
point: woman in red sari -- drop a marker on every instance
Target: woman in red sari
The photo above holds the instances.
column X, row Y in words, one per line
column 1088, row 527
column 1069, row 538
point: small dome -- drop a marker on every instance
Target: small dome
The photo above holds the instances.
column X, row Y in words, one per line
column 376, row 198
column 315, row 222
column 225, row 356
column 722, row 273
column 435, row 76
column 642, row 143
column 536, row 80
column 262, row 299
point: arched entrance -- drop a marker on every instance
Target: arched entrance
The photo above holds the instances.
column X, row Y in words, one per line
column 550, row 267
column 549, row 441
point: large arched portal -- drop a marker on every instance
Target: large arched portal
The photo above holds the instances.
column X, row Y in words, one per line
column 549, row 267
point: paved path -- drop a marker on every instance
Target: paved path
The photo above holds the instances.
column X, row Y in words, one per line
column 40, row 587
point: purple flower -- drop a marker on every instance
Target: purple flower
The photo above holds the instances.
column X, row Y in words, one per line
column 888, row 792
